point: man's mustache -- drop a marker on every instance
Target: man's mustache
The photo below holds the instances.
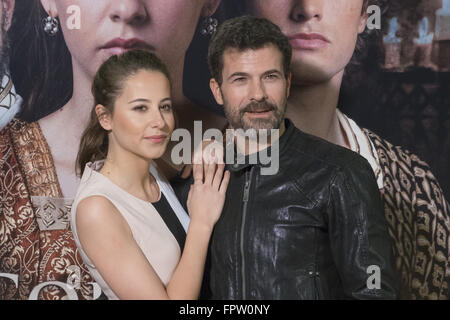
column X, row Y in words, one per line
column 259, row 107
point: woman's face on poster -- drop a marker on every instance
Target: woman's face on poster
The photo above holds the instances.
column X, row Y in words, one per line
column 323, row 33
column 107, row 27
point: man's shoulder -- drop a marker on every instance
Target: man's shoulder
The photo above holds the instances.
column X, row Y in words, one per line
column 405, row 170
column 315, row 149
column 389, row 154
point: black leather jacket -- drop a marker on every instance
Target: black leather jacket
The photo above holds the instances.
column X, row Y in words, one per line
column 309, row 232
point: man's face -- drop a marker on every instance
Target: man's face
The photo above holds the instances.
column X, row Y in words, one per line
column 6, row 12
column 323, row 33
column 254, row 88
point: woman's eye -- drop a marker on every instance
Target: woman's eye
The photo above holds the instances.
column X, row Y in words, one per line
column 166, row 107
column 140, row 108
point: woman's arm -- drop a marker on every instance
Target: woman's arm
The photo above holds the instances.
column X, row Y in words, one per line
column 107, row 240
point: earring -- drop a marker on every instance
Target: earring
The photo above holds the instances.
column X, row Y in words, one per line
column 209, row 26
column 51, row 25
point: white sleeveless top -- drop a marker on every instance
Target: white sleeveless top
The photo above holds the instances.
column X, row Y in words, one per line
column 148, row 228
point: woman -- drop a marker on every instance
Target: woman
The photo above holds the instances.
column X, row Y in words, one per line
column 38, row 179
column 323, row 35
column 122, row 238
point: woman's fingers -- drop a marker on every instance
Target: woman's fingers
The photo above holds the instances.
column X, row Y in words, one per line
column 210, row 170
column 198, row 173
column 225, row 181
column 218, row 176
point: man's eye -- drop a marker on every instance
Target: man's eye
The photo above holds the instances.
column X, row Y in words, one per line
column 271, row 76
column 166, row 107
column 240, row 79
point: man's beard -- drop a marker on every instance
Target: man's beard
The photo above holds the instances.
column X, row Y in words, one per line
column 238, row 120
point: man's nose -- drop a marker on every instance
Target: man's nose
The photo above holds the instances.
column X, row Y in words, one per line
column 258, row 91
column 305, row 10
column 129, row 11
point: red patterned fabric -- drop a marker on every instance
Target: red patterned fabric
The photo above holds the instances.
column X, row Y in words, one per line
column 35, row 255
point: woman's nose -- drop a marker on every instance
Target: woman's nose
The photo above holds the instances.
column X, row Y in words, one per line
column 156, row 120
column 129, row 11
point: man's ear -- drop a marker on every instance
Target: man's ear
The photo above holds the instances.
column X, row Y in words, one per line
column 210, row 7
column 104, row 117
column 50, row 7
column 215, row 89
column 8, row 6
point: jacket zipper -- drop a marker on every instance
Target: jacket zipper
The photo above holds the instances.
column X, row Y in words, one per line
column 248, row 181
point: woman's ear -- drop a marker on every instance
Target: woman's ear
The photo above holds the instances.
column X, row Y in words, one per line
column 50, row 7
column 104, row 117
column 210, row 7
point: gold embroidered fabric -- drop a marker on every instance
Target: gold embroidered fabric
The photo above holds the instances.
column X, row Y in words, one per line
column 52, row 213
column 36, row 243
column 35, row 159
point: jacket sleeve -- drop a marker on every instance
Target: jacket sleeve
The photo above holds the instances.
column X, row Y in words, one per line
column 359, row 240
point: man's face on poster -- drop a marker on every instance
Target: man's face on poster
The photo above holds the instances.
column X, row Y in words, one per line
column 254, row 88
column 322, row 33
column 6, row 13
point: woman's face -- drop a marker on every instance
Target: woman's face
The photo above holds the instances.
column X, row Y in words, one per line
column 142, row 121
column 322, row 33
column 166, row 27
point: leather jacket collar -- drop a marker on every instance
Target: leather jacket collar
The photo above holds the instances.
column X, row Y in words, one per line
column 283, row 143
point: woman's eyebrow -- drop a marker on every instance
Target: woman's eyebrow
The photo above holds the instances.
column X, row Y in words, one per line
column 140, row 100
column 165, row 100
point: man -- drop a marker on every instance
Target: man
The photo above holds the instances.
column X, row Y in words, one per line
column 324, row 35
column 314, row 229
column 10, row 101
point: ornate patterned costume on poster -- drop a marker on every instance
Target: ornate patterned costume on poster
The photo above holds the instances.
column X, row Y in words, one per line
column 417, row 213
column 35, row 241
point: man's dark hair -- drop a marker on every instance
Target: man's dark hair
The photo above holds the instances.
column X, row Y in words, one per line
column 362, row 43
column 242, row 33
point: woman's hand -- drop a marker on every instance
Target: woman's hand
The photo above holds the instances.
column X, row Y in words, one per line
column 207, row 151
column 207, row 195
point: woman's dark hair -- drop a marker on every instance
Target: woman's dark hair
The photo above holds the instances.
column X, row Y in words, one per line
column 41, row 65
column 107, row 86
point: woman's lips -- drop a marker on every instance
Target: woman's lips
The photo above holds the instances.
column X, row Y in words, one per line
column 156, row 139
column 308, row 41
column 118, row 46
